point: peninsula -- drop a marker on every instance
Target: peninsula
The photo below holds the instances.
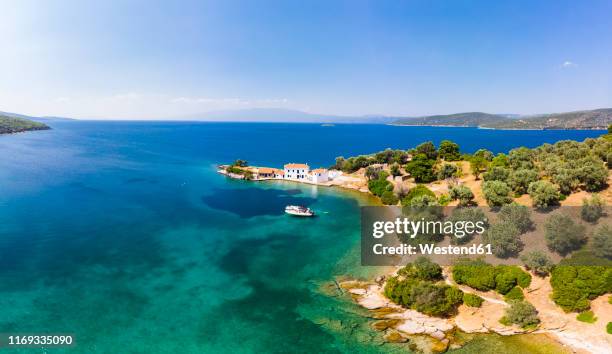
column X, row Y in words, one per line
column 9, row 125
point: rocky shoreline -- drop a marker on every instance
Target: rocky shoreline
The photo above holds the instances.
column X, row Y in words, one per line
column 435, row 335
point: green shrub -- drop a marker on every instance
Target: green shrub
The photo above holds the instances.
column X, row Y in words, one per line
column 609, row 328
column 418, row 190
column 389, row 198
column 521, row 313
column 415, row 287
column 428, row 149
column 482, row 276
column 472, row 300
column 587, row 316
column 514, row 294
column 574, row 286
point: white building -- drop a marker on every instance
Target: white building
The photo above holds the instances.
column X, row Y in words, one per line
column 297, row 171
column 318, row 175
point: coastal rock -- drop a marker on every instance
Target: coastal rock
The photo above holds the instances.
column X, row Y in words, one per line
column 382, row 325
column 393, row 336
column 410, row 327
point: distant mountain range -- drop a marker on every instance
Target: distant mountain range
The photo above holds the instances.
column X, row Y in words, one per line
column 282, row 115
column 593, row 119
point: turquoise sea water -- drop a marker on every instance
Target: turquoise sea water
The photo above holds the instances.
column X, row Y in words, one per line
column 123, row 234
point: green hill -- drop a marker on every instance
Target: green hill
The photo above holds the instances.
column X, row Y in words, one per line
column 468, row 119
column 15, row 125
column 593, row 119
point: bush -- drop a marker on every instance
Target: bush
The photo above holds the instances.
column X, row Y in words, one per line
column 485, row 154
column 609, row 328
column 592, row 209
column 520, row 180
column 504, row 239
column 562, row 234
column 425, row 269
column 482, row 276
column 574, row 286
column 389, row 198
column 514, row 294
column 543, row 194
column 447, row 171
column 472, row 300
column 449, row 151
column 587, row 316
column 414, row 288
column 461, row 193
column 496, row 193
column 602, row 242
column 444, row 200
column 538, row 262
column 521, row 313
column 518, row 215
column 417, row 191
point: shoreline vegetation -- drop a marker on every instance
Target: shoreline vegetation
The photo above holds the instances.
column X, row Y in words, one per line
column 570, row 301
column 11, row 125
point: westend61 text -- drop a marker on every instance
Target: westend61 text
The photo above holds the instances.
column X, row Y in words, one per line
column 432, row 249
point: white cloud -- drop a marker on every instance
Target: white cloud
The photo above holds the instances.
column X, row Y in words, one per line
column 568, row 64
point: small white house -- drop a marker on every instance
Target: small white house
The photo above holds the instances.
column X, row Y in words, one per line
column 319, row 175
column 297, row 171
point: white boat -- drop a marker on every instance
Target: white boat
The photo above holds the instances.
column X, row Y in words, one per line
column 298, row 210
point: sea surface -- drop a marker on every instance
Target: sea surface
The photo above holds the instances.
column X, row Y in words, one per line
column 123, row 234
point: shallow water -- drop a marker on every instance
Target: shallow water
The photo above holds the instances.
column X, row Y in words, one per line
column 124, row 234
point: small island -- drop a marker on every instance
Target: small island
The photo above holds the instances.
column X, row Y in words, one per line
column 10, row 125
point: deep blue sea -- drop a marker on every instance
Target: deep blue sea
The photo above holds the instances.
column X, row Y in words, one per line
column 123, row 234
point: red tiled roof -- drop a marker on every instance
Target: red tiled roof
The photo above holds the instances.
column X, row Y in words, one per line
column 296, row 165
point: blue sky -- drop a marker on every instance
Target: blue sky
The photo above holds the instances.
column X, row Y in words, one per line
column 147, row 59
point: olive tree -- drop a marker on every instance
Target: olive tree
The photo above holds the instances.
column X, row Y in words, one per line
column 543, row 194
column 461, row 193
column 520, row 180
column 519, row 215
column 592, row 209
column 504, row 239
column 562, row 234
column 538, row 262
column 602, row 242
column 497, row 193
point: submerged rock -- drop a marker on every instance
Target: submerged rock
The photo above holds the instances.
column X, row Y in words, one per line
column 393, row 336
